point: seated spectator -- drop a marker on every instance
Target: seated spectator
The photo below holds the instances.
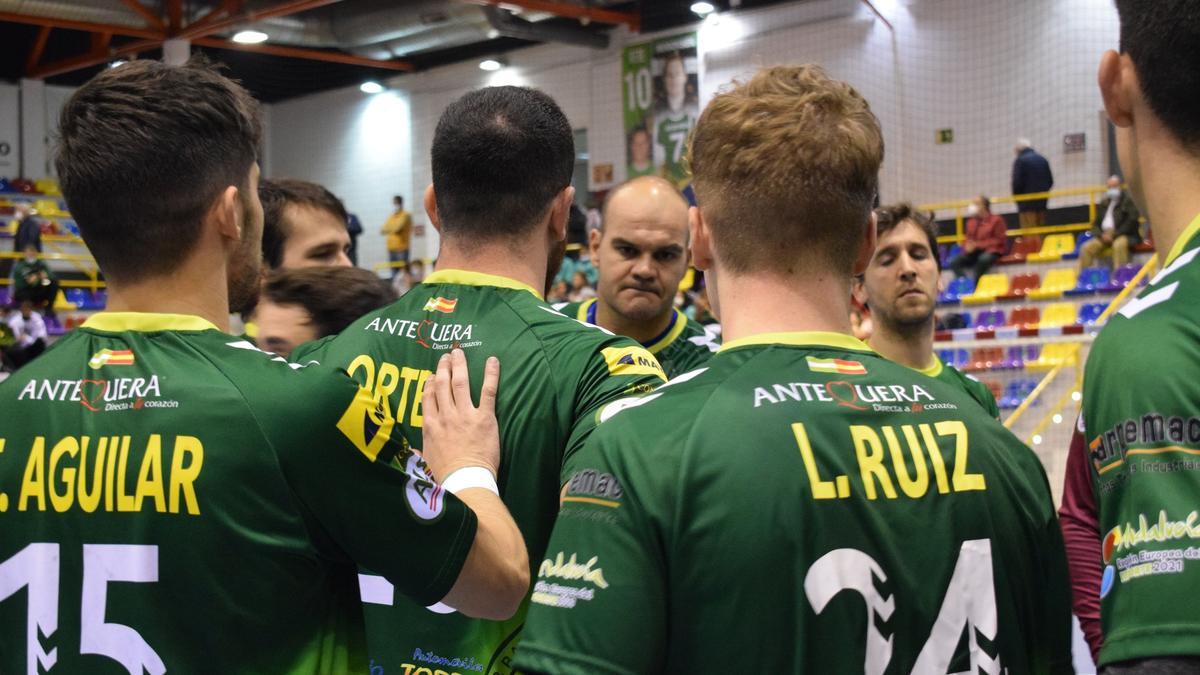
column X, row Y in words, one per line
column 28, row 230
column 1116, row 229
column 986, row 241
column 33, row 280
column 559, row 292
column 29, row 335
column 306, row 304
column 580, row 290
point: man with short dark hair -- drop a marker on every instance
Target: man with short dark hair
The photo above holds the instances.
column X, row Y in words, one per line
column 502, row 224
column 306, row 304
column 1132, row 478
column 173, row 499
column 304, row 225
column 641, row 254
column 799, row 505
column 901, row 288
column 29, row 232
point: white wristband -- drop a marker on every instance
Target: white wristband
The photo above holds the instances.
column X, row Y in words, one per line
column 470, row 477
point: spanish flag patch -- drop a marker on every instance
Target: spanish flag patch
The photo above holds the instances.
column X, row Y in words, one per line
column 836, row 366
column 442, row 305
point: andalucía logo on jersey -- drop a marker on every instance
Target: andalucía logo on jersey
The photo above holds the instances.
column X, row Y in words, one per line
column 836, row 366
column 442, row 305
column 111, row 357
column 368, row 423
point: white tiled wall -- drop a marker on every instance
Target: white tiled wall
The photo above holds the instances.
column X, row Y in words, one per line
column 992, row 70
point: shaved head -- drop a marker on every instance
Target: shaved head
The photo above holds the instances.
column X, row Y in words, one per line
column 641, row 252
column 645, row 196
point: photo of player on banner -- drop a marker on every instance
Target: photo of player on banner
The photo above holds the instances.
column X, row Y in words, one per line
column 661, row 106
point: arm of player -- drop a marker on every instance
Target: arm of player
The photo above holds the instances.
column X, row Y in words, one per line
column 1054, row 633
column 599, row 602
column 1081, row 533
column 461, row 441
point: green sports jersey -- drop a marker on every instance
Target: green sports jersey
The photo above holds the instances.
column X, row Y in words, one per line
column 976, row 389
column 684, row 346
column 1141, row 413
column 670, row 138
column 802, row 505
column 555, row 375
column 174, row 500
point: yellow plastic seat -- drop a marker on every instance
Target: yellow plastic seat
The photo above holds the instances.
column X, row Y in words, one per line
column 1055, row 354
column 61, row 304
column 48, row 208
column 1059, row 314
column 48, row 186
column 1057, row 282
column 1054, row 248
column 989, row 287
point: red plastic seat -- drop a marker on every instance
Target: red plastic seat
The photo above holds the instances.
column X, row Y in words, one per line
column 1021, row 248
column 1021, row 284
column 1025, row 316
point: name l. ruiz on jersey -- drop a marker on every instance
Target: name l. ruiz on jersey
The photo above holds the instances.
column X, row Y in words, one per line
column 842, row 393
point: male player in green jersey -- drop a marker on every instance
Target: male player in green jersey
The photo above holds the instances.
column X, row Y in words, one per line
column 673, row 122
column 801, row 505
column 901, row 287
column 641, row 254
column 171, row 498
column 1134, row 477
column 501, row 222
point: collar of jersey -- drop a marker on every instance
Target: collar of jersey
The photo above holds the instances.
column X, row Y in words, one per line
column 467, row 278
column 1184, row 237
column 800, row 338
column 934, row 370
column 584, row 314
column 145, row 322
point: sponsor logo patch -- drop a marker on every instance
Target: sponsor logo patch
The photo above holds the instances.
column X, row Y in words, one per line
column 367, row 422
column 569, row 569
column 632, row 361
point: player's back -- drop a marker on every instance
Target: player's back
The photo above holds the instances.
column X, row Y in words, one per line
column 803, row 508
column 555, row 373
column 145, row 522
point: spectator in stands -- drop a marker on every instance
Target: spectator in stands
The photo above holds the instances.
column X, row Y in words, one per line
column 417, row 269
column 577, row 232
column 580, row 290
column 33, row 280
column 986, row 240
column 901, row 286
column 1116, row 229
column 559, row 292
column 28, row 229
column 29, row 334
column 1030, row 174
column 1134, row 450
column 304, row 225
column 398, row 230
column 353, row 228
column 302, row 305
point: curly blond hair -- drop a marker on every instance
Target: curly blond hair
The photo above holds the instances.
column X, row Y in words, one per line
column 785, row 169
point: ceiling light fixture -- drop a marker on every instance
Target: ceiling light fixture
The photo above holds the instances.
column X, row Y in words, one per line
column 703, row 8
column 370, row 87
column 491, row 64
column 250, row 37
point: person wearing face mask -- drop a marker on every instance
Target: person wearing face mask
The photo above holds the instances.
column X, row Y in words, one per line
column 986, row 240
column 32, row 280
column 1115, row 230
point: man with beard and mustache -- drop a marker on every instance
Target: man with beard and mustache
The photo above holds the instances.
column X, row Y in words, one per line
column 502, row 159
column 901, row 286
column 641, row 254
column 237, row 491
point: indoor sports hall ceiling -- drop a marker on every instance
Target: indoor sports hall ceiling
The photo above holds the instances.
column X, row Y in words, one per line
column 312, row 45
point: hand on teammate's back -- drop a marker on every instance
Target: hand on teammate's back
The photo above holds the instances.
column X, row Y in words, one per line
column 455, row 433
